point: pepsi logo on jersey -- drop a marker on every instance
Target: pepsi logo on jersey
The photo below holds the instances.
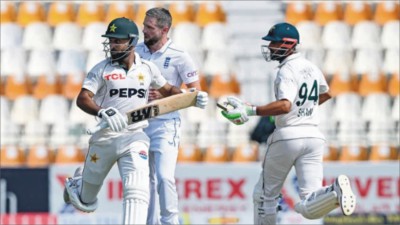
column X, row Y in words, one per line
column 128, row 92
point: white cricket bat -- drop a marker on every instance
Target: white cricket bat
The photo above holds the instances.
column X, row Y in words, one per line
column 154, row 108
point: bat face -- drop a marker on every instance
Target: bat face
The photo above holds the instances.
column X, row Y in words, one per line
column 143, row 114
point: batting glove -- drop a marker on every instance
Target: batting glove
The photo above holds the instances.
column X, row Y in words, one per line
column 201, row 98
column 116, row 121
column 240, row 112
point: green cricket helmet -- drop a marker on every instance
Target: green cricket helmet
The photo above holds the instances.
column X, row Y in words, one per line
column 284, row 33
column 121, row 28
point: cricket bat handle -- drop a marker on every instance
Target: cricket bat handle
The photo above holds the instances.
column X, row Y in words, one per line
column 103, row 124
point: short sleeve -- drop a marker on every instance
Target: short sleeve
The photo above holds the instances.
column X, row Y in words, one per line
column 157, row 80
column 286, row 86
column 323, row 85
column 92, row 81
column 187, row 69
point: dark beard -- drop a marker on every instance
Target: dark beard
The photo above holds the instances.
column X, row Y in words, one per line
column 151, row 41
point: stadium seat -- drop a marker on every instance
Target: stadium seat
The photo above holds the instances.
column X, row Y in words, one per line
column 119, row 9
column 72, row 85
column 367, row 65
column 189, row 153
column 337, row 61
column 71, row 62
column 327, row 12
column 92, row 39
column 46, row 85
column 30, row 12
column 54, row 109
column 390, row 35
column 37, row 36
column 19, row 114
column 386, row 11
column 383, row 152
column 8, row 12
column 380, row 130
column 61, row 134
column 376, row 107
column 347, row 107
column 89, row 12
column 214, row 37
column 247, row 152
column 60, row 12
column 16, row 86
column 223, row 85
column 41, row 62
column 357, row 11
column 77, row 116
column 42, row 73
column 373, row 82
column 197, row 115
column 12, row 156
column 94, row 57
column 11, row 35
column 39, row 156
column 235, row 135
column 310, row 33
column 211, row 132
column 395, row 113
column 181, row 12
column 353, row 152
column 336, row 35
column 216, row 153
column 391, row 62
column 327, row 124
column 187, row 35
column 298, row 11
column 13, row 61
column 209, row 12
column 5, row 108
column 67, row 36
column 10, row 132
column 68, row 154
column 361, row 41
column 217, row 62
column 35, row 133
column 142, row 9
column 331, row 153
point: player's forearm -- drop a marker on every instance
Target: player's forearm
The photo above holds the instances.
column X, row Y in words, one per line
column 274, row 108
column 324, row 97
column 195, row 84
column 86, row 103
column 168, row 90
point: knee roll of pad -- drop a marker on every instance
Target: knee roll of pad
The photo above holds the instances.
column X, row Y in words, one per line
column 318, row 207
column 136, row 186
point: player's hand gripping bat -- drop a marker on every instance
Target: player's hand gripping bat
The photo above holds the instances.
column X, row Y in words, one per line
column 154, row 108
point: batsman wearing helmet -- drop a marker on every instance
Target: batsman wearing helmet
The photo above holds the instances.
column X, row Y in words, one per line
column 300, row 88
column 119, row 83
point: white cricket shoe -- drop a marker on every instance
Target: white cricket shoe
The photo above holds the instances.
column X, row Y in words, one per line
column 71, row 193
column 347, row 200
column 78, row 173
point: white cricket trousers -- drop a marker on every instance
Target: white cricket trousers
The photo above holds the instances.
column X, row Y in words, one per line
column 164, row 141
column 305, row 154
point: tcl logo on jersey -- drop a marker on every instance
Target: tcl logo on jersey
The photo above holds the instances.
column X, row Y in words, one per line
column 191, row 74
column 128, row 92
column 114, row 76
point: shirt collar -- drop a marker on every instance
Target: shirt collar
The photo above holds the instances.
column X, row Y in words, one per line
column 290, row 57
column 138, row 62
